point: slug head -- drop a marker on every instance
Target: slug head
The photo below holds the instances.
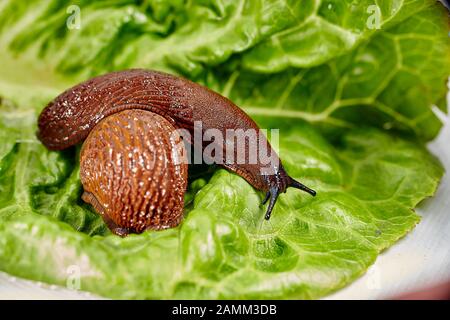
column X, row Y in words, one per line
column 278, row 183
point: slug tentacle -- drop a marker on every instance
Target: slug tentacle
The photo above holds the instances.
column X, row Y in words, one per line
column 274, row 193
column 295, row 184
column 266, row 198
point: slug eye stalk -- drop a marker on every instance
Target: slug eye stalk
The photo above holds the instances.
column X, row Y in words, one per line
column 301, row 186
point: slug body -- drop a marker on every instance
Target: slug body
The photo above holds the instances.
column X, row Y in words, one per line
column 71, row 116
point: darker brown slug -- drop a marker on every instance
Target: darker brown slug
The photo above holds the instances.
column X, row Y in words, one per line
column 159, row 102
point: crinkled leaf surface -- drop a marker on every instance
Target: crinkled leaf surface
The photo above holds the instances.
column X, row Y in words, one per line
column 224, row 248
column 317, row 60
column 390, row 82
column 335, row 87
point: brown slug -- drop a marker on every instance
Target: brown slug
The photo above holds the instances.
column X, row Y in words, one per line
column 75, row 114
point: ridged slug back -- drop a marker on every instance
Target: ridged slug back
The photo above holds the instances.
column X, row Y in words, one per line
column 134, row 172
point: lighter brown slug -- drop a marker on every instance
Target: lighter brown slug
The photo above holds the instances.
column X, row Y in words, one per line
column 134, row 172
column 103, row 110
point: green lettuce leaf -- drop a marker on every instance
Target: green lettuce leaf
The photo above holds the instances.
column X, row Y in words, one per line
column 353, row 105
column 367, row 184
column 316, row 60
column 389, row 82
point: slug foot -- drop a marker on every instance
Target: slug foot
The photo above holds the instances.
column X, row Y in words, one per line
column 92, row 200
